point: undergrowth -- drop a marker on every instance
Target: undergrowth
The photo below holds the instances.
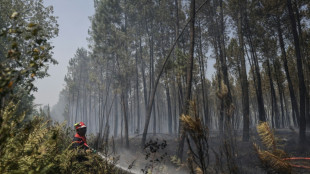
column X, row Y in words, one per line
column 155, row 157
column 38, row 146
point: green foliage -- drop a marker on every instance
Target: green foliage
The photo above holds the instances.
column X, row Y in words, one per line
column 25, row 50
column 36, row 146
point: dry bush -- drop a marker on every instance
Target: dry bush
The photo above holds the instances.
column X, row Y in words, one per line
column 197, row 140
column 272, row 158
column 197, row 136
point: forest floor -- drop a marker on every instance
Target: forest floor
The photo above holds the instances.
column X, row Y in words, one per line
column 246, row 158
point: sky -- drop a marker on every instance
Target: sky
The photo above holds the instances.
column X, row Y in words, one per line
column 73, row 20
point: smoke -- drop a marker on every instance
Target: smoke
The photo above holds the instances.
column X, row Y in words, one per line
column 136, row 159
column 58, row 110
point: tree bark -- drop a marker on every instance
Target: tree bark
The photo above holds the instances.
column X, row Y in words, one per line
column 280, row 92
column 202, row 79
column 244, row 79
column 137, row 93
column 275, row 111
column 259, row 92
column 295, row 116
column 143, row 74
column 301, row 81
column 177, row 28
column 124, row 101
column 152, row 96
column 189, row 76
column 116, row 117
column 169, row 109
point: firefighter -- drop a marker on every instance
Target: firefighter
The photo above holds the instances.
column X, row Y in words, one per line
column 79, row 140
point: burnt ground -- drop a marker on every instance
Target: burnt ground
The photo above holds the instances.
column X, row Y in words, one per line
column 246, row 158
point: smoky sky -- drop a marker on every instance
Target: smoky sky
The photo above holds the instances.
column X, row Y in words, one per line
column 73, row 20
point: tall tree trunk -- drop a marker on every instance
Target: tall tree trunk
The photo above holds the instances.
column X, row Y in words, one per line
column 280, row 92
column 228, row 141
column 306, row 64
column 179, row 82
column 152, row 96
column 301, row 81
column 222, row 56
column 221, row 110
column 152, row 80
column 158, row 120
column 154, row 116
column 257, row 77
column 137, row 94
column 125, row 113
column 99, row 111
column 143, row 74
column 202, row 79
column 122, row 120
column 243, row 76
column 78, row 98
column 175, row 108
column 295, row 114
column 259, row 92
column 189, row 76
column 275, row 111
column 215, row 42
column 169, row 108
column 177, row 28
column 70, row 108
column 116, row 117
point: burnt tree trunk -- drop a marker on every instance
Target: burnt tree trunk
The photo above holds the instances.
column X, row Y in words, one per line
column 244, row 80
column 287, row 73
column 189, row 76
column 301, row 81
column 137, row 94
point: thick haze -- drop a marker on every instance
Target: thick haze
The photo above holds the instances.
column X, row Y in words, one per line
column 73, row 20
column 73, row 30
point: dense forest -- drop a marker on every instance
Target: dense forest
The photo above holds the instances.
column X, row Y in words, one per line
column 134, row 81
column 210, row 77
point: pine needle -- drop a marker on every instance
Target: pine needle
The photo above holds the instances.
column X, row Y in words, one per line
column 192, row 125
column 266, row 135
column 271, row 162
